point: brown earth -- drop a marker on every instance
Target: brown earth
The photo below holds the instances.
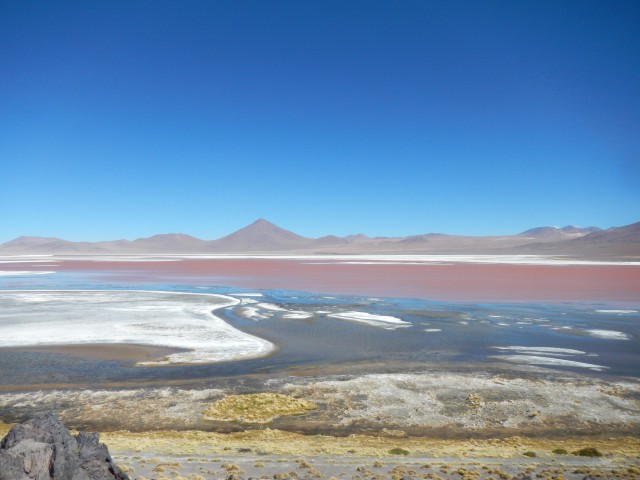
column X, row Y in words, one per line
column 127, row 353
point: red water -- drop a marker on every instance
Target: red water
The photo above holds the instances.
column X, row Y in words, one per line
column 456, row 281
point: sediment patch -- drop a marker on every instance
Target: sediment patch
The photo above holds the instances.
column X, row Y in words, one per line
column 257, row 408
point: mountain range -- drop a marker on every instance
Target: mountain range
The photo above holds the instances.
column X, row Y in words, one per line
column 263, row 236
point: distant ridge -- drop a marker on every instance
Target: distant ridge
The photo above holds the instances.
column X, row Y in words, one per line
column 25, row 241
column 628, row 233
column 262, row 236
column 570, row 231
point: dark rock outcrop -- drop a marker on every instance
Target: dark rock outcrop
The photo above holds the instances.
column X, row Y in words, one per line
column 43, row 449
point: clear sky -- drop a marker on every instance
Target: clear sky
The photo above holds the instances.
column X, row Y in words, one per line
column 122, row 119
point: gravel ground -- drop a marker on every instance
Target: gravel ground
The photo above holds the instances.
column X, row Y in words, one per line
column 280, row 468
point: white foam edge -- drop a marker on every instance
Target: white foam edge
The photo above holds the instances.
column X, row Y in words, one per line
column 541, row 350
column 535, row 360
column 608, row 334
column 297, row 315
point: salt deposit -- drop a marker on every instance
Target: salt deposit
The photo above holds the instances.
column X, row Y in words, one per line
column 298, row 315
column 535, row 360
column 359, row 259
column 169, row 319
column 22, row 273
column 384, row 321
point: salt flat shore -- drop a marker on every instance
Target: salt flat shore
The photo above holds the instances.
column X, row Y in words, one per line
column 437, row 404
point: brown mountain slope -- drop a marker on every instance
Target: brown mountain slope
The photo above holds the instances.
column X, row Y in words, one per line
column 616, row 241
column 260, row 236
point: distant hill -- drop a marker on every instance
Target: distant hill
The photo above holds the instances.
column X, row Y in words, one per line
column 170, row 242
column 592, row 241
column 263, row 236
column 260, row 236
column 622, row 240
column 29, row 242
column 330, row 240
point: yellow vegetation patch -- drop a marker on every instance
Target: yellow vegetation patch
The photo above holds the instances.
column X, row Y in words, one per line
column 4, row 429
column 257, row 408
column 616, row 391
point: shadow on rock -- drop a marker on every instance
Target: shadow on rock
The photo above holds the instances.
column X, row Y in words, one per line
column 43, row 449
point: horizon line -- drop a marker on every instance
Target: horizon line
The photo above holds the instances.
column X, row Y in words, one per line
column 292, row 231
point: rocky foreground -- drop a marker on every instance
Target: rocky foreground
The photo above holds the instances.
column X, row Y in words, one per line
column 499, row 425
column 43, row 449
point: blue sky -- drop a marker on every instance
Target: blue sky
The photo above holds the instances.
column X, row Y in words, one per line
column 123, row 119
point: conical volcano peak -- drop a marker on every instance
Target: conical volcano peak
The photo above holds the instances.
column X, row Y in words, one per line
column 262, row 235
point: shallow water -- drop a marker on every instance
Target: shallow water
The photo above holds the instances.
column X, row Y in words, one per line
column 597, row 338
column 451, row 333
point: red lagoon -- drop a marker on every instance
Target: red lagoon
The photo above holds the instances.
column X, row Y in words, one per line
column 490, row 282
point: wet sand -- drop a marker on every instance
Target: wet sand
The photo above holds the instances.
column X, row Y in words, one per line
column 126, row 353
column 617, row 284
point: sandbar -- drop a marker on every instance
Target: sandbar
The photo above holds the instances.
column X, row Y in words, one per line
column 128, row 353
